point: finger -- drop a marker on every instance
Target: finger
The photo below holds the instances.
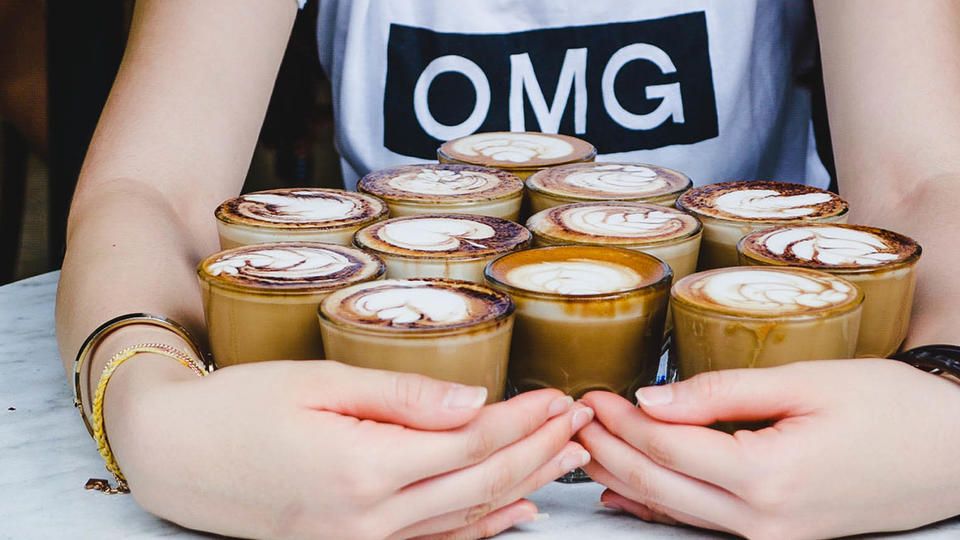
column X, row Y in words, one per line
column 628, row 472
column 492, row 524
column 568, row 459
column 406, row 399
column 614, row 501
column 606, row 478
column 495, row 427
column 477, row 488
column 734, row 394
column 677, row 447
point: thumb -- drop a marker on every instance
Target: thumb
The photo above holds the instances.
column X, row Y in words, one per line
column 731, row 395
column 407, row 399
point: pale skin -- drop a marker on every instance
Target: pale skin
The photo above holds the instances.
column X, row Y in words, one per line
column 857, row 445
column 845, row 456
column 276, row 450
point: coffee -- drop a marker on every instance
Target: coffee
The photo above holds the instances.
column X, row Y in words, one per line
column 882, row 263
column 750, row 317
column 446, row 329
column 260, row 301
column 668, row 234
column 731, row 210
column 452, row 246
column 588, row 318
column 519, row 152
column 583, row 182
column 296, row 215
column 446, row 189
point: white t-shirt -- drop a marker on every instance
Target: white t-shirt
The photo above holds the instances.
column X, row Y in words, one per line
column 707, row 87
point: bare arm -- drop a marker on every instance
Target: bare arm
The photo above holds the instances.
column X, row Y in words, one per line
column 892, row 76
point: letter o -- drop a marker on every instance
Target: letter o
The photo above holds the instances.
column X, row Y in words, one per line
column 481, row 86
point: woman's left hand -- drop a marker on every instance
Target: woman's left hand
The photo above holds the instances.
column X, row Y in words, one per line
column 855, row 446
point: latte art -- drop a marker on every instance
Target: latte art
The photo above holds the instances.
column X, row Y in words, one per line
column 602, row 221
column 282, row 264
column 574, row 277
column 298, row 206
column 770, row 204
column 618, row 178
column 513, row 147
column 773, row 292
column 407, row 305
column 830, row 246
column 436, row 234
column 444, row 182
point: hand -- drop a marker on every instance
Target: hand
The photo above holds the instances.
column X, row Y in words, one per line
column 857, row 446
column 320, row 449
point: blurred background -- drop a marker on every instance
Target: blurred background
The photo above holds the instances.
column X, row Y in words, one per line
column 58, row 59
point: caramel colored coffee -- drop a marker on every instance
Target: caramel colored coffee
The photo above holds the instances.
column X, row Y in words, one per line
column 446, row 189
column 296, row 215
column 260, row 301
column 454, row 246
column 750, row 317
column 731, row 210
column 446, row 329
column 588, row 318
column 583, row 182
column 521, row 153
column 882, row 263
column 668, row 234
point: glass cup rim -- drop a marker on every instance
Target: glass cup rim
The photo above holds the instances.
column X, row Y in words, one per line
column 693, row 233
column 288, row 228
column 822, row 313
column 511, row 290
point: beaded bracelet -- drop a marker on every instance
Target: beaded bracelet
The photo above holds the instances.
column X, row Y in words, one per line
column 116, row 323
column 100, row 434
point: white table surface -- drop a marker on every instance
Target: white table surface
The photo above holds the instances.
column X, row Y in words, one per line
column 46, row 455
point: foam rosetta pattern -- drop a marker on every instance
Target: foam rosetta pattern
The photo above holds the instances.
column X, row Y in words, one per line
column 829, row 246
column 282, row 264
column 436, row 234
column 513, row 147
column 770, row 204
column 300, row 206
column 436, row 181
column 573, row 277
column 616, row 178
column 762, row 291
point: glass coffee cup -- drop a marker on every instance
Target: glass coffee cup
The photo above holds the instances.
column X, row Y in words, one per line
column 296, row 215
column 752, row 317
column 520, row 153
column 260, row 301
column 881, row 262
column 731, row 210
column 454, row 246
column 666, row 233
column 446, row 189
column 588, row 317
column 605, row 181
column 445, row 329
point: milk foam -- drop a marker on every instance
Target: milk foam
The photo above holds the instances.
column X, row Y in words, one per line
column 829, row 245
column 513, row 147
column 601, row 221
column 435, row 234
column 300, row 206
column 618, row 178
column 405, row 305
column 573, row 277
column 776, row 292
column 281, row 263
column 769, row 204
column 444, row 182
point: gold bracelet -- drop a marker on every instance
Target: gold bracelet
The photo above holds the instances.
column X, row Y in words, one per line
column 100, row 434
column 116, row 323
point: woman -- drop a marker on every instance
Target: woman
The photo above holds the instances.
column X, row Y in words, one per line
column 718, row 101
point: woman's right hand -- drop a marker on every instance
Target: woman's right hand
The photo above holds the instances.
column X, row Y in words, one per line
column 319, row 449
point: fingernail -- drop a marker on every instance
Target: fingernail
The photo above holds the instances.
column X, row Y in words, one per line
column 610, row 505
column 540, row 517
column 581, row 418
column 560, row 405
column 655, row 395
column 465, row 397
column 575, row 460
column 530, row 518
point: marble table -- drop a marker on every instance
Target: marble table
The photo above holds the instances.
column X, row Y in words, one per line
column 46, row 455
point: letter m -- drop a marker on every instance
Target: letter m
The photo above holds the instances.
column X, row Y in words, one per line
column 524, row 80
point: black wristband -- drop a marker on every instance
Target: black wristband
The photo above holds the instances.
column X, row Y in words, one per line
column 936, row 359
